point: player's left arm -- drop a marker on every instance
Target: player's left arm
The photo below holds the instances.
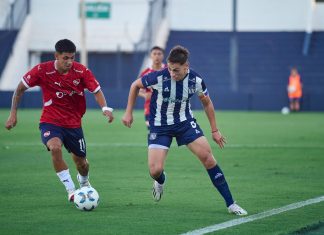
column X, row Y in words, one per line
column 106, row 111
column 210, row 112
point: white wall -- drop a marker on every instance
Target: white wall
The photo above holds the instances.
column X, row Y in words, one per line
column 56, row 19
column 206, row 15
column 51, row 20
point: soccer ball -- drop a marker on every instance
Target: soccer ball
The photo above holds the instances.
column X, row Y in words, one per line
column 86, row 198
column 285, row 110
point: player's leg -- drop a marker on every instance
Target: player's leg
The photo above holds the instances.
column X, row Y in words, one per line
column 82, row 166
column 291, row 105
column 156, row 160
column 158, row 146
column 297, row 104
column 201, row 148
column 52, row 138
column 76, row 145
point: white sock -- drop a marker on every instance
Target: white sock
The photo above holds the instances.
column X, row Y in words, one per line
column 83, row 179
column 66, row 179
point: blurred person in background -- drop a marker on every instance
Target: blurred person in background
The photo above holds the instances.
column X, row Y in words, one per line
column 156, row 56
column 294, row 89
column 63, row 82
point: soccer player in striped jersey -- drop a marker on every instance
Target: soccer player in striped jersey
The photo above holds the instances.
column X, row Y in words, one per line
column 157, row 56
column 171, row 116
column 63, row 82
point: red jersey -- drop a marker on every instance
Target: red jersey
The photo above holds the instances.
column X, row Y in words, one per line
column 63, row 94
column 148, row 90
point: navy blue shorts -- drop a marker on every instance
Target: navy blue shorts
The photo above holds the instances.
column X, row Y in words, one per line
column 72, row 138
column 184, row 132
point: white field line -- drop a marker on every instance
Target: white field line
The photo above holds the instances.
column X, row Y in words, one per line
column 116, row 144
column 251, row 218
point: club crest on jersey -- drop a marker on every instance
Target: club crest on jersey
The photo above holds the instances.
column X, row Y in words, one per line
column 76, row 82
column 28, row 77
column 153, row 136
column 47, row 133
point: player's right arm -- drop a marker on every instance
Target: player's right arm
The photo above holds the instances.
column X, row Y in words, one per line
column 133, row 93
column 12, row 119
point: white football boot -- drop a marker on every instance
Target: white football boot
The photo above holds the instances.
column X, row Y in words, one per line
column 157, row 191
column 237, row 210
column 83, row 184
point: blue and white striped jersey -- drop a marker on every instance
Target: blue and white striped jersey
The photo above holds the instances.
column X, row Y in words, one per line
column 170, row 101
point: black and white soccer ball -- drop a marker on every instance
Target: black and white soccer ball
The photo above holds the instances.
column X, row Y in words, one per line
column 86, row 198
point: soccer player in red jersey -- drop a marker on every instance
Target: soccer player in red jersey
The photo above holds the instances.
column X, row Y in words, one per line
column 63, row 82
column 157, row 56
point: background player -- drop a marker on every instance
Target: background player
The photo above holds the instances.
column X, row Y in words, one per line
column 62, row 82
column 156, row 56
column 294, row 89
column 172, row 117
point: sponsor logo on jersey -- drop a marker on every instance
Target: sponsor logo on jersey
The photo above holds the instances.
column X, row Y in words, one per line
column 173, row 100
column 76, row 82
column 28, row 77
column 47, row 133
column 59, row 94
column 166, row 89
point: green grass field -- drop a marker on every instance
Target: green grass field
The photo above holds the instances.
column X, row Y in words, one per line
column 271, row 160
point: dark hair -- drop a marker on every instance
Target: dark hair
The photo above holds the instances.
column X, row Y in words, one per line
column 65, row 45
column 157, row 48
column 178, row 54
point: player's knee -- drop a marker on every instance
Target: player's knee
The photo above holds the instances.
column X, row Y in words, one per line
column 156, row 170
column 207, row 159
column 55, row 148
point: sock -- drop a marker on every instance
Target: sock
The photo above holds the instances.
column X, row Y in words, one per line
column 82, row 179
column 218, row 179
column 161, row 178
column 66, row 179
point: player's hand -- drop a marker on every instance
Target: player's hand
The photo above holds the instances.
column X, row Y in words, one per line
column 219, row 139
column 11, row 122
column 109, row 115
column 127, row 119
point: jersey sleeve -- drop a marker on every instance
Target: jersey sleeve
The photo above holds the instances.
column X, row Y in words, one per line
column 91, row 82
column 201, row 87
column 32, row 77
column 150, row 79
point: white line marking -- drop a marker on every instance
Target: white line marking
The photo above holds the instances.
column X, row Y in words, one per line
column 111, row 144
column 251, row 218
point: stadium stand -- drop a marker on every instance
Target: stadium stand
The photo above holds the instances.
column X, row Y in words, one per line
column 7, row 40
column 117, row 50
column 264, row 60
